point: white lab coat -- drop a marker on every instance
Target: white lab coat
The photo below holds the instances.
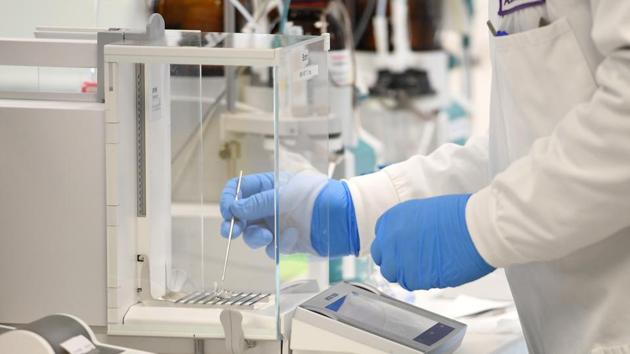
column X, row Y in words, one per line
column 551, row 184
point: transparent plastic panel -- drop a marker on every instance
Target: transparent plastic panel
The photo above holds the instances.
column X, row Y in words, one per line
column 186, row 274
column 204, row 126
column 212, row 145
column 246, row 41
column 303, row 157
column 234, row 146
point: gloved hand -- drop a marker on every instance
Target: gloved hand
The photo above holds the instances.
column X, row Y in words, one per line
column 316, row 215
column 425, row 243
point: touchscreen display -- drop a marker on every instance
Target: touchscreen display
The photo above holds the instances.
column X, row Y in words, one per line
column 387, row 318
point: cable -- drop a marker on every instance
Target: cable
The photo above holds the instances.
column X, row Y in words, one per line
column 364, row 21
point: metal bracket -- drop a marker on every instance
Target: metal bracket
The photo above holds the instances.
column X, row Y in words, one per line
column 144, row 285
column 235, row 342
column 102, row 39
column 141, row 205
column 154, row 31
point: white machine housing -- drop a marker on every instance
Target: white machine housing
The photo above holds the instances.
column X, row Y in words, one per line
column 54, row 334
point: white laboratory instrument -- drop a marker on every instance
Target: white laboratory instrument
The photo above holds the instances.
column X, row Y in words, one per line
column 350, row 319
column 180, row 122
column 56, row 334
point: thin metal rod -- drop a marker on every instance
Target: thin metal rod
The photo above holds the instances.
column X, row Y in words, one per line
column 200, row 345
column 227, row 250
column 229, row 26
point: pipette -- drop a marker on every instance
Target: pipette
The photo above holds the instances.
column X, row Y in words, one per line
column 220, row 290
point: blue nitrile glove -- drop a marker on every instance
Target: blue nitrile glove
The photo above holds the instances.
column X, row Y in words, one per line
column 313, row 210
column 425, row 243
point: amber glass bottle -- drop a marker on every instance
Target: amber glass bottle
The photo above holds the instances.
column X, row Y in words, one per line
column 204, row 15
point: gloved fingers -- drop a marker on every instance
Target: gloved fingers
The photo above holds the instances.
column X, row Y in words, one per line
column 389, row 258
column 389, row 270
column 271, row 250
column 404, row 279
column 256, row 183
column 377, row 245
column 250, row 185
column 257, row 236
column 410, row 276
column 238, row 228
column 434, row 265
column 228, row 196
column 409, row 279
column 384, row 250
column 375, row 250
column 257, row 206
column 403, row 283
column 287, row 242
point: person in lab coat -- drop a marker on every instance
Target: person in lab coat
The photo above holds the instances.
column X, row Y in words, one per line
column 545, row 195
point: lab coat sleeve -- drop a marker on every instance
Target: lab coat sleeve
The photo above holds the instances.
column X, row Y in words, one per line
column 451, row 169
column 573, row 188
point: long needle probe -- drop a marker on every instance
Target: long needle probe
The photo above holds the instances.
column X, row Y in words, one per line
column 227, row 250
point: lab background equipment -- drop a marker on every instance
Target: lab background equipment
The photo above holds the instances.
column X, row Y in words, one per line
column 405, row 96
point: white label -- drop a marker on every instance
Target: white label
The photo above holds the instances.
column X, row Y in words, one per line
column 155, row 99
column 340, row 66
column 78, row 345
column 307, row 73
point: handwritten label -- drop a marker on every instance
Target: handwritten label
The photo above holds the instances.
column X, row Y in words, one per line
column 155, row 99
column 307, row 73
column 508, row 6
column 304, row 58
